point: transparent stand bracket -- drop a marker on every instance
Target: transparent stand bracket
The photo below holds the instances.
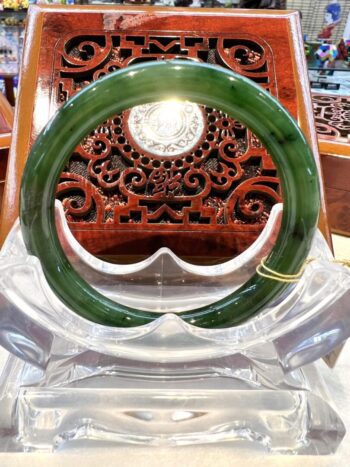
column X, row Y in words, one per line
column 72, row 383
column 304, row 325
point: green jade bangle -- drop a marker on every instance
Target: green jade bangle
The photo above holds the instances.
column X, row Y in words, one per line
column 204, row 84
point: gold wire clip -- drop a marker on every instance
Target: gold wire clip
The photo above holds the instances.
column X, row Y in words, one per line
column 290, row 278
column 277, row 276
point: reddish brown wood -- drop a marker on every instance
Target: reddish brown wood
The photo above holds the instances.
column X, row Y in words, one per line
column 6, row 121
column 337, row 177
column 339, row 202
column 211, row 200
column 3, row 165
column 332, row 115
column 9, row 88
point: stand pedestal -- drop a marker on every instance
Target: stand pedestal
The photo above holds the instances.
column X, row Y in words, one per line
column 231, row 400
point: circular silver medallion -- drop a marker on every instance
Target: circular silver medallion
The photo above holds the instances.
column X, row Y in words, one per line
column 167, row 128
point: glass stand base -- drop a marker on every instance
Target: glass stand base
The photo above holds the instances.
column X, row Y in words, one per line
column 238, row 406
column 291, row 422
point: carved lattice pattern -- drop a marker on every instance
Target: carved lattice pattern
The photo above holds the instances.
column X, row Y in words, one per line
column 226, row 180
column 332, row 116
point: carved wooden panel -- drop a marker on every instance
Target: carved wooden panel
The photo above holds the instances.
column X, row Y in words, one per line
column 118, row 177
column 209, row 187
column 332, row 117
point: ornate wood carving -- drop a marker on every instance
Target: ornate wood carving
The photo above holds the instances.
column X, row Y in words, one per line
column 125, row 194
column 226, row 180
column 332, row 116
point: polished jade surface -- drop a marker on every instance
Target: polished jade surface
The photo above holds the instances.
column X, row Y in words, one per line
column 152, row 82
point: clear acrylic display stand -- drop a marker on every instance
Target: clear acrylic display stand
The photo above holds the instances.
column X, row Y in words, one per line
column 69, row 382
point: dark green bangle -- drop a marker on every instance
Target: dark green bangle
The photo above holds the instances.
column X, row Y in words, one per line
column 203, row 84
